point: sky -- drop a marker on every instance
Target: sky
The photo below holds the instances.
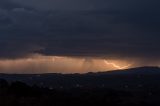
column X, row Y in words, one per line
column 78, row 36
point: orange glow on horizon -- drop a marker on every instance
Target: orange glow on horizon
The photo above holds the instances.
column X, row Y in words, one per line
column 60, row 64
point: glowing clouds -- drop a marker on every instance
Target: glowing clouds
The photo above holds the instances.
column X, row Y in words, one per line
column 41, row 64
column 57, row 64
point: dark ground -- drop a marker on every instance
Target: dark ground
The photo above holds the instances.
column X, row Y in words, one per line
column 20, row 94
column 132, row 87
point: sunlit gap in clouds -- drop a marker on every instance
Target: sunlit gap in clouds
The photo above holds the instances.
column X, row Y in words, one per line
column 60, row 64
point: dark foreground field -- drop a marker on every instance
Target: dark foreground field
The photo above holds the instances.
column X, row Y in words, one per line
column 133, row 87
column 20, row 94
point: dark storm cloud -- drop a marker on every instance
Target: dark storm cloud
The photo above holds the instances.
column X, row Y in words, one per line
column 125, row 5
column 6, row 4
column 121, row 29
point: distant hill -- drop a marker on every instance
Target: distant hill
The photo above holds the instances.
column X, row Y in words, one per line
column 138, row 70
column 129, row 79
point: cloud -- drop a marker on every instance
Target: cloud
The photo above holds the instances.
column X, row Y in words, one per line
column 122, row 5
column 98, row 28
column 63, row 4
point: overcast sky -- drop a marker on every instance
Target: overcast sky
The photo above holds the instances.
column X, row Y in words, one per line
column 83, row 28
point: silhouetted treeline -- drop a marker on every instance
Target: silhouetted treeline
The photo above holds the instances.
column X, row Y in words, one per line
column 20, row 94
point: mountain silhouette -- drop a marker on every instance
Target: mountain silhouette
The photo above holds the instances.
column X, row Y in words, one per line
column 139, row 70
column 131, row 79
